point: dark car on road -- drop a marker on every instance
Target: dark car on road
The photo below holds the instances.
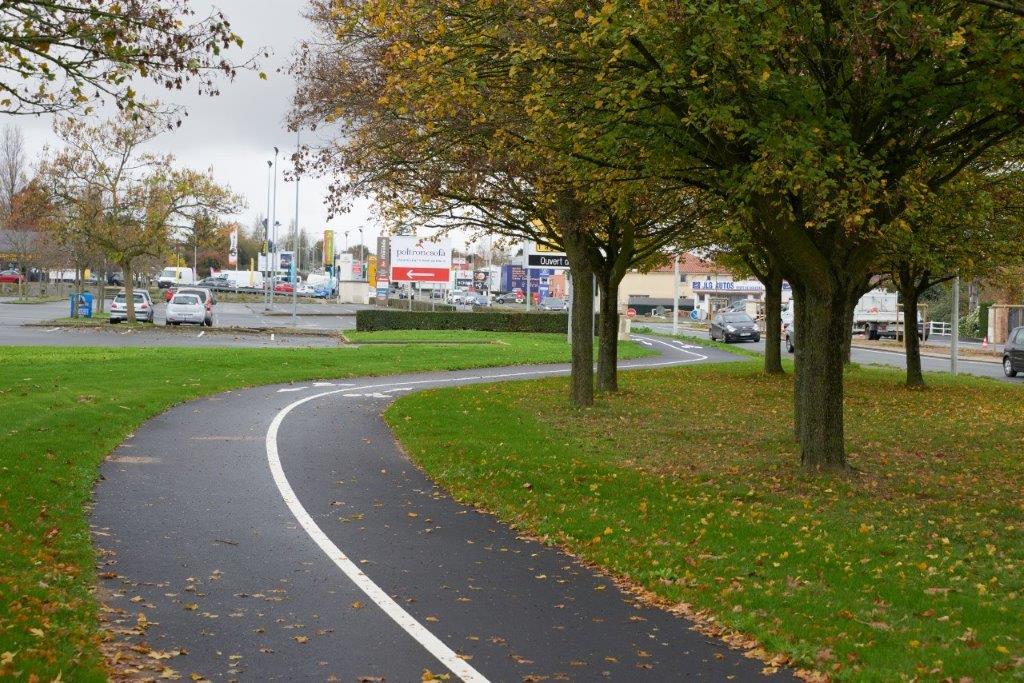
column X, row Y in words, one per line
column 1013, row 352
column 730, row 327
column 216, row 282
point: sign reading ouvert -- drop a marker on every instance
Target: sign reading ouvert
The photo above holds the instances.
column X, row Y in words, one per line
column 540, row 256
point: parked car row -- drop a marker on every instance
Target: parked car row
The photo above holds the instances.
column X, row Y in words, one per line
column 184, row 305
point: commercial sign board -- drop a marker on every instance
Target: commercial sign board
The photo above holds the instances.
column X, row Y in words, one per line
column 414, row 259
column 740, row 286
column 558, row 261
column 383, row 255
column 542, row 256
column 328, row 247
column 371, row 271
column 233, row 248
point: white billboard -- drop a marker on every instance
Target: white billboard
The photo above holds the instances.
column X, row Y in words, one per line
column 416, row 259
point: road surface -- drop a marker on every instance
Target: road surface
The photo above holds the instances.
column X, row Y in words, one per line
column 279, row 533
column 872, row 356
column 19, row 327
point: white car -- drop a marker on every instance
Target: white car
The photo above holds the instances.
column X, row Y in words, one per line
column 143, row 307
column 305, row 289
column 457, row 297
column 186, row 308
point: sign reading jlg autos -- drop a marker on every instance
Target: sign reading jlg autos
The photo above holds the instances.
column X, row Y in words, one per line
column 414, row 259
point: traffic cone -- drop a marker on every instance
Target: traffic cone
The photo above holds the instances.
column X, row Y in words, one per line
column 984, row 343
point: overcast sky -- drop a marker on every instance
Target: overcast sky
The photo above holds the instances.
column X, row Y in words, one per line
column 234, row 134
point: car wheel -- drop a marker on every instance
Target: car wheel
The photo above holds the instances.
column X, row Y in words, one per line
column 1008, row 367
column 167, row 323
column 757, row 339
column 789, row 345
column 112, row 321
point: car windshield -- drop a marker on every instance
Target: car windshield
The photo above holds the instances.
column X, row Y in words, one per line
column 738, row 318
column 200, row 293
column 168, row 272
column 137, row 298
column 185, row 299
column 552, row 301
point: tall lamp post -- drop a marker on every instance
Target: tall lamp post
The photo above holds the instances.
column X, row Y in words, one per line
column 266, row 237
column 274, row 224
column 295, row 242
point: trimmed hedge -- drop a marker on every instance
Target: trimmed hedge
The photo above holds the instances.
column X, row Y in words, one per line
column 417, row 305
column 376, row 320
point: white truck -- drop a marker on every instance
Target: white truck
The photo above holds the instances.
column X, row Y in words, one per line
column 879, row 314
column 173, row 276
column 241, row 279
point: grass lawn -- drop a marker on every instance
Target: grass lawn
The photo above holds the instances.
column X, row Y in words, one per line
column 65, row 409
column 686, row 485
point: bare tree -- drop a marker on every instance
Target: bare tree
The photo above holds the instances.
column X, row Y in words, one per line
column 18, row 240
column 127, row 202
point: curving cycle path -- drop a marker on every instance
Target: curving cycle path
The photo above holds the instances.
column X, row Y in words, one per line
column 279, row 533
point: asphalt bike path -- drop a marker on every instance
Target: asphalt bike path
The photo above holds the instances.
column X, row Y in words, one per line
column 279, row 533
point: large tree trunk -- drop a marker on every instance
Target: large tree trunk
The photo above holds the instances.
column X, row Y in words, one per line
column 581, row 390
column 129, row 292
column 820, row 335
column 608, row 335
column 910, row 295
column 773, row 324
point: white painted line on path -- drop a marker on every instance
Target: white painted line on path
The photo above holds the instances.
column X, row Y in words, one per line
column 414, row 628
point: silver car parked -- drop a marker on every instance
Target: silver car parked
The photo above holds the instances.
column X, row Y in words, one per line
column 143, row 307
column 186, row 308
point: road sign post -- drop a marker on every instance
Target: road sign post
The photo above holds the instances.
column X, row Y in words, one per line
column 675, row 295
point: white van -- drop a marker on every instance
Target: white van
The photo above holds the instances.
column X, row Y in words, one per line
column 173, row 277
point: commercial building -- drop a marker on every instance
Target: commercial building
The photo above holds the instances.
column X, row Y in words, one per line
column 703, row 285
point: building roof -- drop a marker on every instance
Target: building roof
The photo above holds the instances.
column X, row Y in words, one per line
column 691, row 264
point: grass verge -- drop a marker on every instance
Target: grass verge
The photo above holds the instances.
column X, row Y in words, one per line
column 686, row 485
column 65, row 409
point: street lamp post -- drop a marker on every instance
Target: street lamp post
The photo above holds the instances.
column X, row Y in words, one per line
column 295, row 241
column 271, row 265
column 675, row 295
column 266, row 237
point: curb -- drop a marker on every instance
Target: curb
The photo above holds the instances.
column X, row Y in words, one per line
column 292, row 331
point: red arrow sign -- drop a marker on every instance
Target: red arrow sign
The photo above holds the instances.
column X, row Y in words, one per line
column 419, row 274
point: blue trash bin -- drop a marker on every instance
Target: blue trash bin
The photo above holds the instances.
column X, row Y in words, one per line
column 84, row 303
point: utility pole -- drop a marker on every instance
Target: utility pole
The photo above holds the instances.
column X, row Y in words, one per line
column 568, row 299
column 295, row 243
column 954, row 341
column 266, row 238
column 273, row 231
column 675, row 295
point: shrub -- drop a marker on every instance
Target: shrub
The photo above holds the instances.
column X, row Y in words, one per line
column 375, row 320
column 403, row 305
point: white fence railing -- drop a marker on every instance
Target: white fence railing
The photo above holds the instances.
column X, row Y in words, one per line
column 939, row 327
